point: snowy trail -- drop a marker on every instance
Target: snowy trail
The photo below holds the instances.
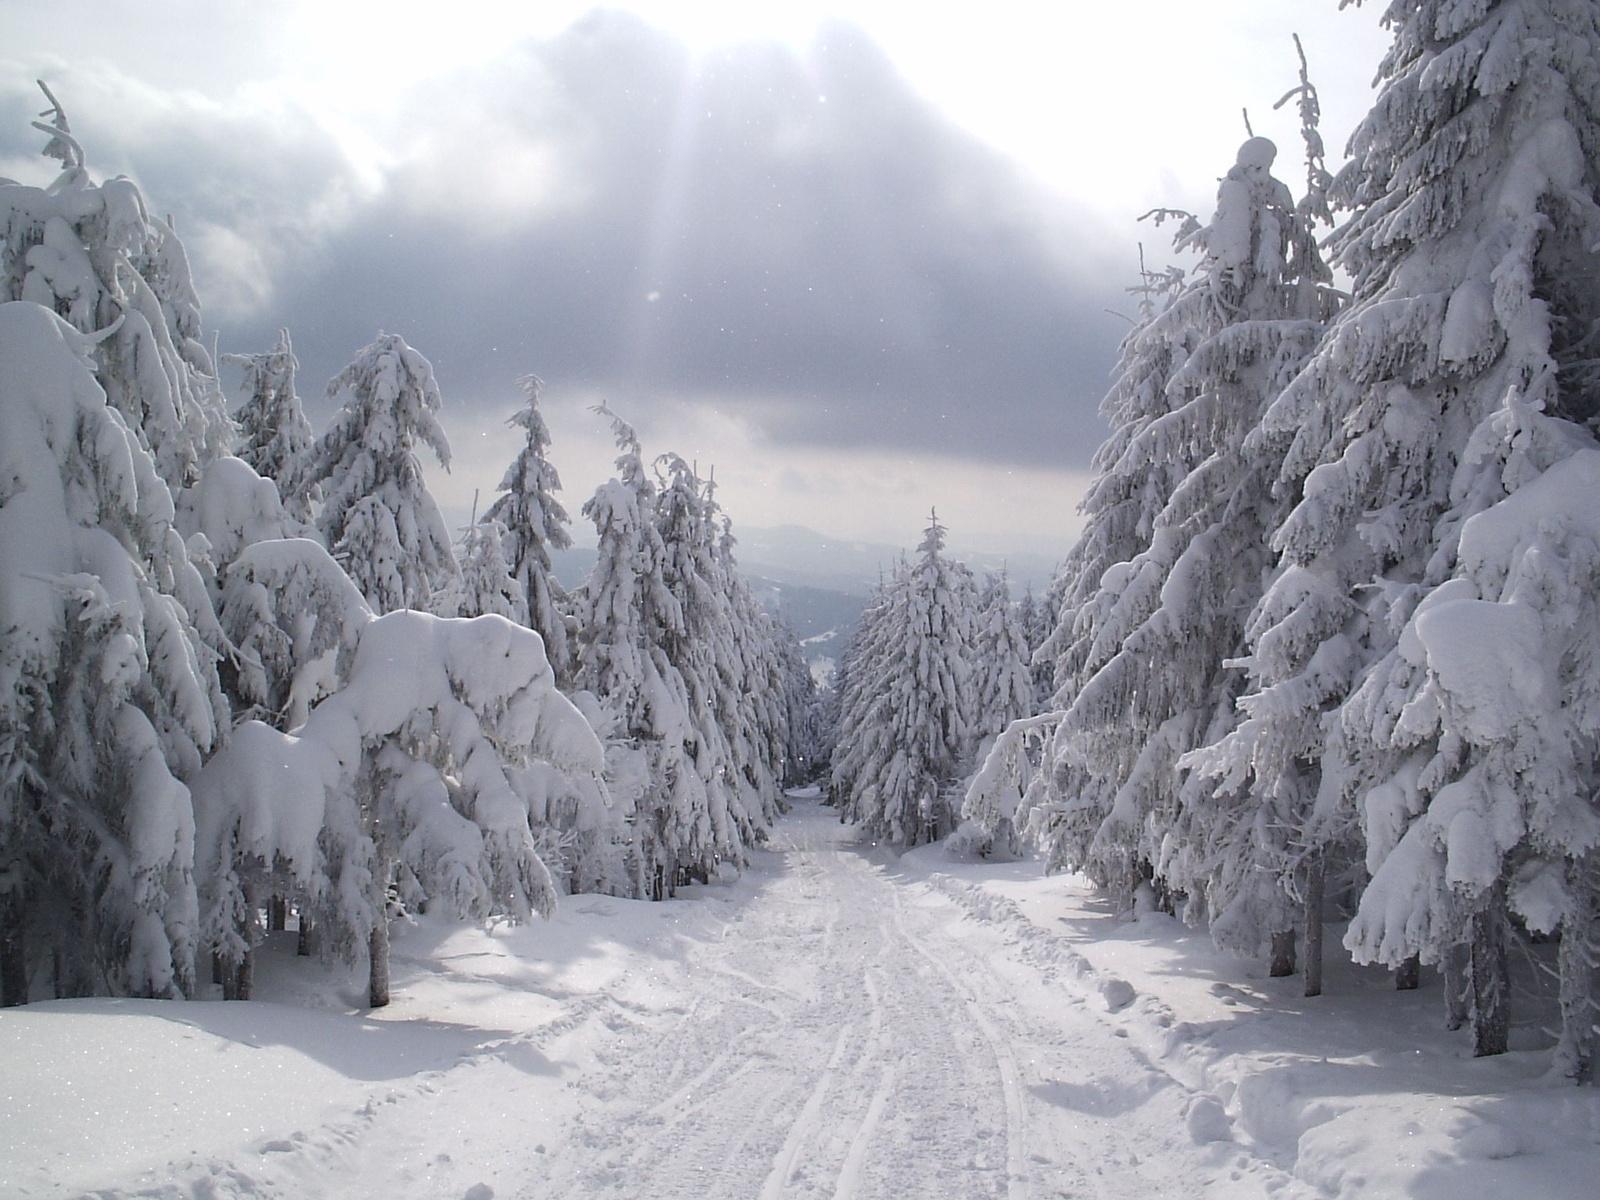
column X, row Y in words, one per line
column 842, row 1043
column 833, row 1027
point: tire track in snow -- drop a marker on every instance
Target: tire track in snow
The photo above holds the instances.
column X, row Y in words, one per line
column 1010, row 1079
column 805, row 1123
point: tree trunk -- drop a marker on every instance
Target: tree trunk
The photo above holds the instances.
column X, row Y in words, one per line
column 1577, row 961
column 306, row 942
column 13, row 956
column 247, row 976
column 378, row 961
column 1491, row 1012
column 219, row 971
column 277, row 914
column 1315, row 872
column 230, row 979
column 1457, row 969
column 1282, row 954
column 1408, row 975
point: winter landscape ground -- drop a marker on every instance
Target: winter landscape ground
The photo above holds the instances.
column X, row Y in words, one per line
column 839, row 1022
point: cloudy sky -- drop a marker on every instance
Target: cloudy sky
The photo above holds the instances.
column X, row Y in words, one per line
column 861, row 259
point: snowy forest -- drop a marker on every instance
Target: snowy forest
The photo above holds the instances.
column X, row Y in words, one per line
column 1319, row 681
column 248, row 671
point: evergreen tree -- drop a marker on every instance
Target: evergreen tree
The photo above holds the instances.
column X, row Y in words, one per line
column 421, row 778
column 628, row 613
column 535, row 524
column 485, row 584
column 92, row 254
column 1003, row 685
column 377, row 514
column 109, row 697
column 274, row 436
column 906, row 737
column 1456, row 382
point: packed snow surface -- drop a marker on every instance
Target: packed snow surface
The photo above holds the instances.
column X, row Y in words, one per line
column 835, row 1023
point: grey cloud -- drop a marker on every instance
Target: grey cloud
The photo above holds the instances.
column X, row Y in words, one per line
column 826, row 255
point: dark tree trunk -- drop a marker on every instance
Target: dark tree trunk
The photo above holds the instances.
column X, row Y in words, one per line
column 1578, row 969
column 1282, row 954
column 1491, row 1011
column 1457, row 970
column 246, row 985
column 219, row 972
column 1315, row 873
column 277, row 914
column 13, row 956
column 305, row 943
column 378, row 961
column 1408, row 975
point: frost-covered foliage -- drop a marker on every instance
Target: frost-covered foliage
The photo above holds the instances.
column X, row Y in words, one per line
column 1155, row 595
column 93, row 254
column 1003, row 679
column 536, row 524
column 687, row 669
column 427, row 772
column 294, row 619
column 907, row 714
column 274, row 436
column 109, row 697
column 1457, row 376
column 377, row 515
column 485, row 584
column 1342, row 577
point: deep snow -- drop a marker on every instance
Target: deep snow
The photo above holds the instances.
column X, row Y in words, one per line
column 838, row 1022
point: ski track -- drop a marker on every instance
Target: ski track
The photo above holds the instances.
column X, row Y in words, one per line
column 849, row 1034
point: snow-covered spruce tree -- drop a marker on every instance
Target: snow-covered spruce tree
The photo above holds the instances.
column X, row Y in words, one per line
column 485, row 584
column 108, row 689
column 421, row 778
column 377, row 515
column 914, row 741
column 274, row 436
column 1459, row 377
column 699, row 636
column 1003, row 679
column 1143, row 640
column 806, row 737
column 295, row 620
column 860, row 731
column 626, row 613
column 94, row 255
column 535, row 525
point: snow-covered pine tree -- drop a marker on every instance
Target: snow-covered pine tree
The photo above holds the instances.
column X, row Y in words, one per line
column 109, row 697
column 536, row 524
column 860, row 733
column 1430, row 438
column 1003, row 678
column 377, row 515
column 910, row 744
column 1142, row 640
column 274, row 436
column 422, row 777
column 92, row 254
column 627, row 614
column 692, row 645
column 485, row 584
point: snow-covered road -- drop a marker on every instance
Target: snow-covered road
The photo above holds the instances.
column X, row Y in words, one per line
column 832, row 1025
column 844, row 1034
